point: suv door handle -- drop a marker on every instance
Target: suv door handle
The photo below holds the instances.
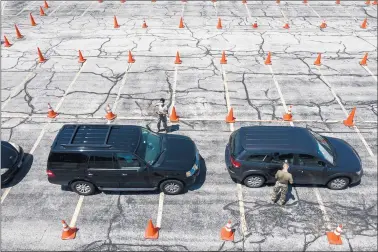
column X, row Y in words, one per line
column 90, row 174
column 124, row 174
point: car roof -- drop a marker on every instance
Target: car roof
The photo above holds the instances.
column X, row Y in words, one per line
column 73, row 137
column 277, row 139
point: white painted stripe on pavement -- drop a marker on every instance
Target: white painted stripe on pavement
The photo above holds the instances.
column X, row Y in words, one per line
column 16, row 90
column 314, row 10
column 121, row 87
column 160, row 210
column 345, row 112
column 5, row 193
column 368, row 70
column 183, row 9
column 249, row 13
column 86, row 9
column 56, row 9
column 23, row 9
column 44, row 130
column 174, row 89
column 3, row 7
column 77, row 211
column 320, row 201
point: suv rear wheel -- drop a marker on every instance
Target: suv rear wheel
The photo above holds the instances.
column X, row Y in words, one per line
column 338, row 183
column 83, row 188
column 171, row 187
column 254, row 181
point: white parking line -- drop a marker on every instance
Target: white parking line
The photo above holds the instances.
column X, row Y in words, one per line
column 160, row 210
column 56, row 8
column 368, row 70
column 319, row 198
column 121, row 87
column 183, row 9
column 86, row 9
column 216, row 9
column 43, row 131
column 22, row 10
column 314, row 11
column 3, row 7
column 249, row 13
column 174, row 89
column 17, row 89
column 239, row 189
column 345, row 112
column 77, row 211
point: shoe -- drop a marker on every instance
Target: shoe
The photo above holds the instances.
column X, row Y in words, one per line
column 281, row 203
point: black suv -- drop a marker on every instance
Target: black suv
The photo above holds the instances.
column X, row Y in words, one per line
column 254, row 154
column 121, row 158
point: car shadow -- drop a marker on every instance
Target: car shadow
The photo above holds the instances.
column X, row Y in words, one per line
column 202, row 176
column 22, row 171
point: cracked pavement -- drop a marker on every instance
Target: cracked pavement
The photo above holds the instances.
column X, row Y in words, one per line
column 191, row 221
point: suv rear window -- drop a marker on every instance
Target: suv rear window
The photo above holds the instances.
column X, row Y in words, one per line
column 67, row 160
column 235, row 144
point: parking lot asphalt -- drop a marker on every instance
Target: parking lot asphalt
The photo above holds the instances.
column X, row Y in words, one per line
column 202, row 91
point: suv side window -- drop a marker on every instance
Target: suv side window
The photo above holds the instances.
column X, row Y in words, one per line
column 279, row 159
column 305, row 159
column 127, row 160
column 257, row 158
column 68, row 160
column 101, row 161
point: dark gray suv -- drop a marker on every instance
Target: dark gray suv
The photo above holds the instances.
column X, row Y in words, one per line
column 254, row 154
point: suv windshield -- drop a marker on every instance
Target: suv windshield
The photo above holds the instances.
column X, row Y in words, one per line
column 235, row 144
column 149, row 147
column 324, row 147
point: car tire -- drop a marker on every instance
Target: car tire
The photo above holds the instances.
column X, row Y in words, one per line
column 254, row 181
column 171, row 187
column 339, row 183
column 83, row 188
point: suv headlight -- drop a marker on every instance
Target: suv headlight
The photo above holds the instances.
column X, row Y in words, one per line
column 359, row 172
column 192, row 171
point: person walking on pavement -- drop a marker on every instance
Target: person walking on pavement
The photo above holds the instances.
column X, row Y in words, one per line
column 283, row 178
column 162, row 113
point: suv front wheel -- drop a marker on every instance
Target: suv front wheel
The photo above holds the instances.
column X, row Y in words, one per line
column 254, row 181
column 83, row 188
column 338, row 183
column 171, row 187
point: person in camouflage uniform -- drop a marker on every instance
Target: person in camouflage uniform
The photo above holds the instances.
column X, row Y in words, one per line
column 283, row 178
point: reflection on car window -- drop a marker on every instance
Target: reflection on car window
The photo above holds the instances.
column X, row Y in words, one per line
column 126, row 160
column 324, row 147
column 149, row 146
column 257, row 158
column 279, row 159
column 305, row 159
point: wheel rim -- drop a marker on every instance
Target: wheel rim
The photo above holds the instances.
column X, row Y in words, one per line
column 172, row 187
column 254, row 181
column 338, row 183
column 83, row 188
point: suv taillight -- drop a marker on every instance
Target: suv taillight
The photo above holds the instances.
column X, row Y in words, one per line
column 235, row 163
column 50, row 174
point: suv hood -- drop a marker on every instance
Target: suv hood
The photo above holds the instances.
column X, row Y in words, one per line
column 347, row 158
column 179, row 153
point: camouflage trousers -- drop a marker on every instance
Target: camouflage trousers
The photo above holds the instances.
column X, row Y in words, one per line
column 279, row 188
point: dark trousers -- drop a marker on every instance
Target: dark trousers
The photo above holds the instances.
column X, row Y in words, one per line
column 162, row 118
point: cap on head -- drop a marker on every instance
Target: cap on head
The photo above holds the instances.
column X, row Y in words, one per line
column 162, row 100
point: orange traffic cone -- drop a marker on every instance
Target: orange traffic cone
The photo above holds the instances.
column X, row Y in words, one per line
column 181, row 25
column 6, row 42
column 223, row 59
column 174, row 117
column 230, row 117
column 337, row 1
column 286, row 26
column 323, row 25
column 153, row 1
column 46, row 5
column 81, row 58
column 219, row 25
column 41, row 12
column 364, row 24
column 288, row 116
column 144, row 25
column 349, row 122
column 305, row 1
column 268, row 60
column 68, row 233
column 33, row 23
column 109, row 114
column 367, row 2
column 255, row 24
column 244, row 1
column 318, row 60
column 100, row 1
column 226, row 232
column 18, row 33
column 41, row 58
column 364, row 59
column 116, row 25
column 178, row 60
column 278, row 1
column 151, row 231
column 375, row 2
column 335, row 236
column 131, row 59
column 50, row 112
column 123, row 1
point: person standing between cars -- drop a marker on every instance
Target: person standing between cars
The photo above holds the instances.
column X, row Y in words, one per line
column 283, row 178
column 162, row 113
